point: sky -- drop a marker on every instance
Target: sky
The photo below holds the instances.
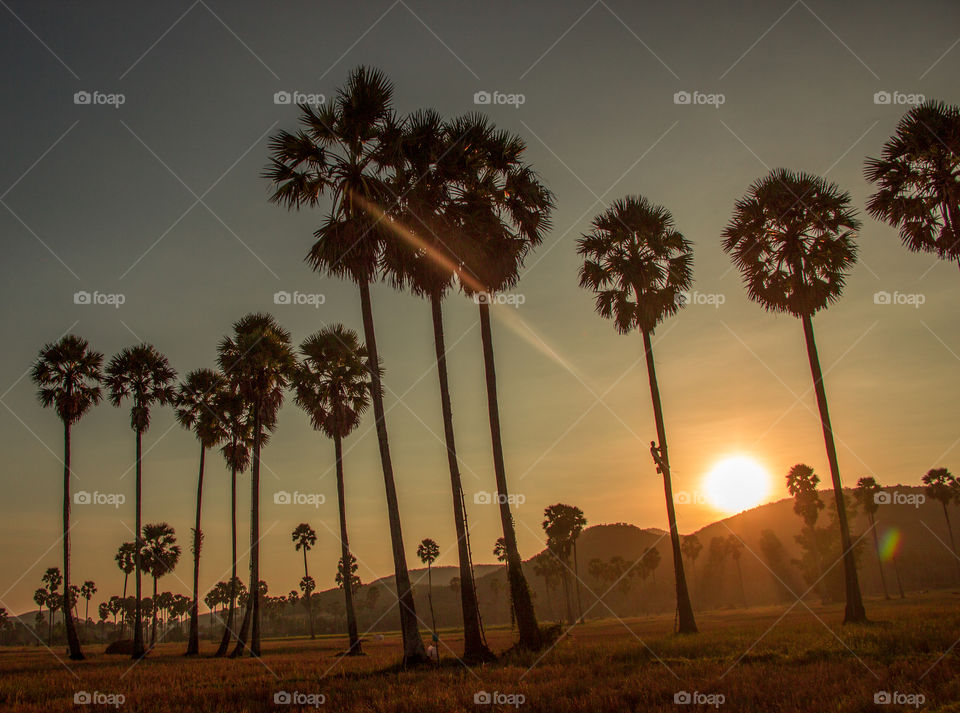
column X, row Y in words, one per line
column 153, row 192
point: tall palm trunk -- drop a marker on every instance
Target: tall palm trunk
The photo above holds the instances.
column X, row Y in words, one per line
column 228, row 629
column 685, row 619
column 73, row 641
column 896, row 571
column 576, row 575
column 433, row 618
column 566, row 593
column 138, row 650
column 854, row 612
column 527, row 626
column 413, row 650
column 876, row 549
column 355, row 649
column 309, row 607
column 953, row 547
column 153, row 616
column 474, row 647
column 251, row 614
column 193, row 645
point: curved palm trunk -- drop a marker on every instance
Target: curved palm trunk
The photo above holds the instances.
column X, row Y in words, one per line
column 73, row 641
column 876, row 549
column 355, row 649
column 527, row 626
column 854, row 608
column 193, row 645
column 413, row 650
column 138, row 650
column 686, row 624
column 474, row 647
column 309, row 607
column 251, row 614
column 228, row 629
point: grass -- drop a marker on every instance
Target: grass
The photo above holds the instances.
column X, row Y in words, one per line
column 755, row 659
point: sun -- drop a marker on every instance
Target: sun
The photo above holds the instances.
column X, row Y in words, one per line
column 736, row 483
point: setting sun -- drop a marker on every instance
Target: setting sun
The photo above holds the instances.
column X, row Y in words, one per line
column 736, row 483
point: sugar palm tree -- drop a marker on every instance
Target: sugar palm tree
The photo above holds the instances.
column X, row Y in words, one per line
column 428, row 551
column 333, row 387
column 792, row 236
column 87, row 590
column 40, row 598
column 125, row 559
column 424, row 256
column 563, row 524
column 196, row 410
column 639, row 265
column 340, row 152
column 159, row 554
column 67, row 376
column 143, row 375
column 945, row 489
column 866, row 495
column 918, row 180
column 501, row 211
column 735, row 550
column 500, row 552
column 258, row 361
column 304, row 538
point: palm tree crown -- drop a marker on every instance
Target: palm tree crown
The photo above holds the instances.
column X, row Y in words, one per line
column 428, row 551
column 196, row 406
column 67, row 375
column 304, row 537
column 143, row 374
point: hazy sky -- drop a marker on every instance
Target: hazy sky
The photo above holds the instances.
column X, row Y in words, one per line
column 161, row 200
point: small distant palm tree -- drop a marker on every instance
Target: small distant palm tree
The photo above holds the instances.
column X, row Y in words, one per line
column 793, row 238
column 304, row 538
column 945, row 489
column 125, row 559
column 563, row 524
column 353, row 577
column 428, row 551
column 40, row 598
column 918, row 180
column 802, row 485
column 67, row 376
column 735, row 550
column 196, row 410
column 143, row 375
column 87, row 590
column 333, row 387
column 639, row 265
column 691, row 547
column 500, row 552
column 866, row 494
column 159, row 555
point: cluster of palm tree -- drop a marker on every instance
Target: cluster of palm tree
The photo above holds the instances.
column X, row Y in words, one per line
column 563, row 524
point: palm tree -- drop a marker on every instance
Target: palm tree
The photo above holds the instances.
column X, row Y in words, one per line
column 640, row 265
column 258, row 362
column 916, row 177
column 691, row 547
column 143, row 375
column 196, row 410
column 802, row 486
column 305, row 538
column 53, row 579
column 792, row 236
column 866, row 494
column 500, row 552
column 40, row 598
column 563, row 525
column 424, row 256
column 159, row 554
column 126, row 554
column 428, row 551
column 944, row 488
column 342, row 576
column 67, row 376
column 340, row 152
column 735, row 550
column 333, row 387
column 501, row 211
column 87, row 591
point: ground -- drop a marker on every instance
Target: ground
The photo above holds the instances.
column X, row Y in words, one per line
column 760, row 659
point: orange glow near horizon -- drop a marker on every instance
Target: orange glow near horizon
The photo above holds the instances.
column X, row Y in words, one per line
column 737, row 483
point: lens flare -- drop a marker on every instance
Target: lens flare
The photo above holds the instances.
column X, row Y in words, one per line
column 890, row 543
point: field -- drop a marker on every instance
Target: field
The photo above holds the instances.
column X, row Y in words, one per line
column 745, row 660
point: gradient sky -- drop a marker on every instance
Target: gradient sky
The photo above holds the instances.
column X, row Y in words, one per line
column 161, row 200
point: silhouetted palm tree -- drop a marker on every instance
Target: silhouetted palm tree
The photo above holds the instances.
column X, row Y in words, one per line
column 143, row 375
column 333, row 387
column 563, row 525
column 866, row 494
column 340, row 152
column 802, row 485
column 945, row 489
column 428, row 551
column 792, row 236
column 159, row 554
column 258, row 363
column 640, row 265
column 87, row 591
column 501, row 211
column 196, row 410
column 691, row 547
column 40, row 598
column 304, row 538
column 67, row 376
column 126, row 561
column 735, row 550
column 500, row 552
column 916, row 177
